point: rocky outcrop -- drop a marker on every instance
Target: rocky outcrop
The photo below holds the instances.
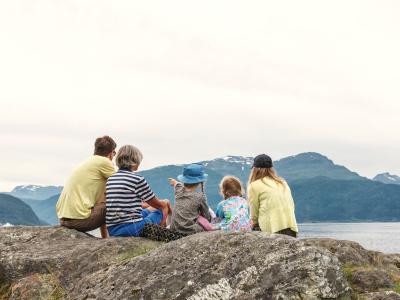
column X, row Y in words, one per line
column 57, row 263
column 222, row 266
column 49, row 261
column 371, row 274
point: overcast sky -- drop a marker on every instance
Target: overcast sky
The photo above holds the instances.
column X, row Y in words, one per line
column 195, row 80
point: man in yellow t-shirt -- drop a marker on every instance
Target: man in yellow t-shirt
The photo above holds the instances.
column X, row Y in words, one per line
column 81, row 205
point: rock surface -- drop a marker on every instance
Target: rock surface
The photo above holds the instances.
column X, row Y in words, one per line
column 34, row 258
column 57, row 263
column 222, row 266
column 369, row 273
column 388, row 295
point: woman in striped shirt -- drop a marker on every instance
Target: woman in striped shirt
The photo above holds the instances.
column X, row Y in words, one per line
column 131, row 204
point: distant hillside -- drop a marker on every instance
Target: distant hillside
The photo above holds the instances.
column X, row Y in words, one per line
column 387, row 178
column 236, row 165
column 45, row 209
column 16, row 212
column 298, row 167
column 310, row 165
column 35, row 192
column 324, row 199
column 323, row 191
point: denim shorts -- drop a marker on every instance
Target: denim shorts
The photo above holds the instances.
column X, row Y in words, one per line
column 135, row 228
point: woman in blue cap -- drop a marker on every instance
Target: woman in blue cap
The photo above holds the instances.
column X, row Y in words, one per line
column 189, row 202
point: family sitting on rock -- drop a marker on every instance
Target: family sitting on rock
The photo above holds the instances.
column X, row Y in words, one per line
column 122, row 203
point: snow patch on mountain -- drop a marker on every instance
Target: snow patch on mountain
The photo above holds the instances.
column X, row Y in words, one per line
column 37, row 192
column 238, row 159
column 387, row 178
column 30, row 187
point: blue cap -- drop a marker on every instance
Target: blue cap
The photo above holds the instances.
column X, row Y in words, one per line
column 193, row 173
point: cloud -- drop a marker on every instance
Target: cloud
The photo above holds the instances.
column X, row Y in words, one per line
column 190, row 81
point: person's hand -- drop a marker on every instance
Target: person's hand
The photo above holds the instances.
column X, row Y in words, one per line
column 172, row 181
column 166, row 209
column 169, row 207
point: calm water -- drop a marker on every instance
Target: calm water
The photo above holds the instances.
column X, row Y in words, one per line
column 384, row 237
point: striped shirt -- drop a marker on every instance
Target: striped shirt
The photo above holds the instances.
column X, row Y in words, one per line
column 125, row 191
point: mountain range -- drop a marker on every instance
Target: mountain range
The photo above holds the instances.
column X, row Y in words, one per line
column 35, row 192
column 45, row 209
column 323, row 191
column 387, row 178
column 15, row 211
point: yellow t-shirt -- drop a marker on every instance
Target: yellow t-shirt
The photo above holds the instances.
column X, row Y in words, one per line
column 85, row 186
column 271, row 205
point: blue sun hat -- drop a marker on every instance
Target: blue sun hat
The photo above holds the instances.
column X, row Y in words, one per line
column 193, row 173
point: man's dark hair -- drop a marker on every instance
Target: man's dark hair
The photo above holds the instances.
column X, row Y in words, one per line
column 104, row 145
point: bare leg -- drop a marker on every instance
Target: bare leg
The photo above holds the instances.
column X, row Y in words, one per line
column 166, row 210
column 103, row 228
column 104, row 231
column 148, row 207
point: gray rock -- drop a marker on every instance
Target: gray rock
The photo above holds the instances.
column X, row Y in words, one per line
column 347, row 252
column 371, row 279
column 366, row 271
column 221, row 265
column 386, row 295
column 29, row 254
column 58, row 263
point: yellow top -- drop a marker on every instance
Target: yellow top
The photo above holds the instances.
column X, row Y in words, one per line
column 85, row 186
column 271, row 205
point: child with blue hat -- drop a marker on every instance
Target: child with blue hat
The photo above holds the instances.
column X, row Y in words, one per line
column 190, row 204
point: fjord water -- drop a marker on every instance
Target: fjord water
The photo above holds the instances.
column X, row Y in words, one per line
column 384, row 237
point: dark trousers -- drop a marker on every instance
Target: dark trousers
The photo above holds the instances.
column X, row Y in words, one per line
column 95, row 220
column 286, row 231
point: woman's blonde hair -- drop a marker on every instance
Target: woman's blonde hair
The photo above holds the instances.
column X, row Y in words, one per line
column 261, row 173
column 128, row 156
column 231, row 186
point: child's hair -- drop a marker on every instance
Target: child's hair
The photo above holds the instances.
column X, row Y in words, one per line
column 231, row 186
column 191, row 185
column 260, row 173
